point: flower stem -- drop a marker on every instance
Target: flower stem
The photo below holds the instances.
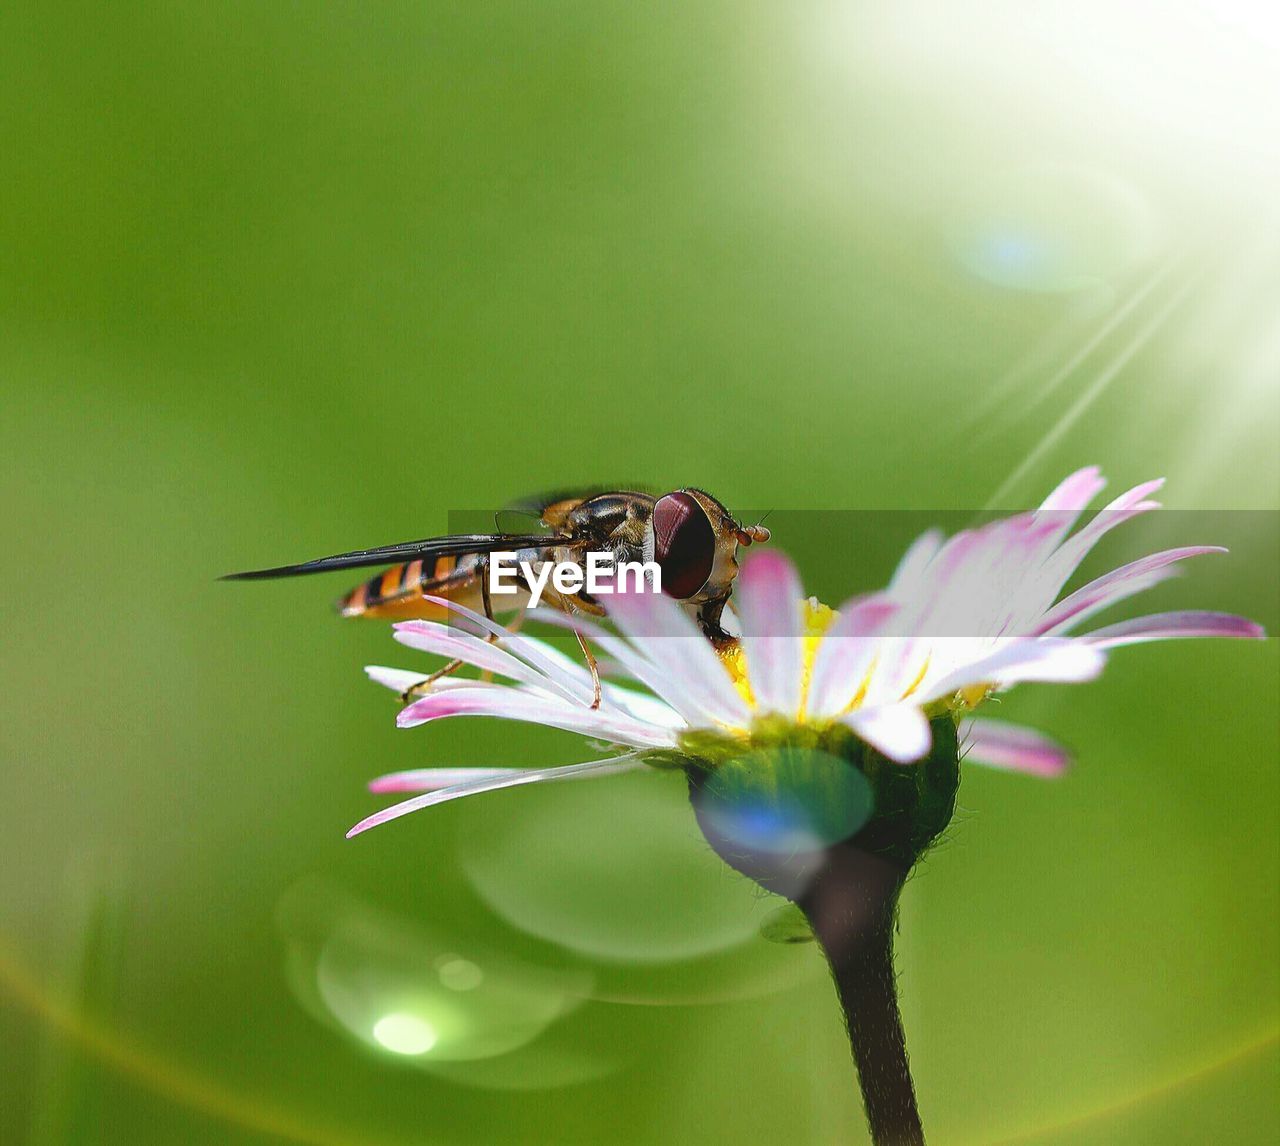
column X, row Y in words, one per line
column 852, row 905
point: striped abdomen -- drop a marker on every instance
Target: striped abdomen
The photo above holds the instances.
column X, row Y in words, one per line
column 398, row 592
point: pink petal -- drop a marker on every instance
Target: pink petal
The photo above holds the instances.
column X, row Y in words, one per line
column 898, row 731
column 1032, row 541
column 1012, row 747
column 1131, row 499
column 845, row 654
column 1075, row 492
column 769, row 602
column 1116, row 586
column 1055, row 660
column 529, row 776
column 433, row 779
column 1062, row 508
column 955, row 554
column 1171, row 626
column 1075, row 549
column 519, row 704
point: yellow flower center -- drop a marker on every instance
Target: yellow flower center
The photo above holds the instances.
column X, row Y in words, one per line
column 817, row 620
column 735, row 660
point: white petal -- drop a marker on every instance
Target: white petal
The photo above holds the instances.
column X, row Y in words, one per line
column 671, row 691
column 489, row 656
column 770, row 601
column 900, row 663
column 402, row 679
column 509, row 703
column 669, row 640
column 516, row 644
column 845, row 654
column 641, row 705
column 911, row 569
column 898, row 731
column 1047, row 659
column 398, row 680
column 530, row 776
column 644, row 707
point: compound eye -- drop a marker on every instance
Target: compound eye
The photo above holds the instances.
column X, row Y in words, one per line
column 684, row 544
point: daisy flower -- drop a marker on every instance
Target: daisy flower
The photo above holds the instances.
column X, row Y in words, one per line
column 822, row 747
column 963, row 618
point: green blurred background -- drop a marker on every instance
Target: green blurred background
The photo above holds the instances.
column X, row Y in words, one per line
column 283, row 279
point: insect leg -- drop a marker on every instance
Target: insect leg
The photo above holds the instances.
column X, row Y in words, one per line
column 424, row 686
column 709, row 621
column 486, row 676
column 593, row 666
column 558, row 600
column 484, row 588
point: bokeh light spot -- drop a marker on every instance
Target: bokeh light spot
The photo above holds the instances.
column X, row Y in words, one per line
column 404, row 1034
column 613, row 870
column 459, row 974
column 396, row 986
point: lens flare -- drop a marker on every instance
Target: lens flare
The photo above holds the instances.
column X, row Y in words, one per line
column 1052, row 228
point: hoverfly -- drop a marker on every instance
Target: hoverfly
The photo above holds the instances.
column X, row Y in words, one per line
column 692, row 537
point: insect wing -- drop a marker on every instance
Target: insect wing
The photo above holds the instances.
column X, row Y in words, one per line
column 425, row 550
